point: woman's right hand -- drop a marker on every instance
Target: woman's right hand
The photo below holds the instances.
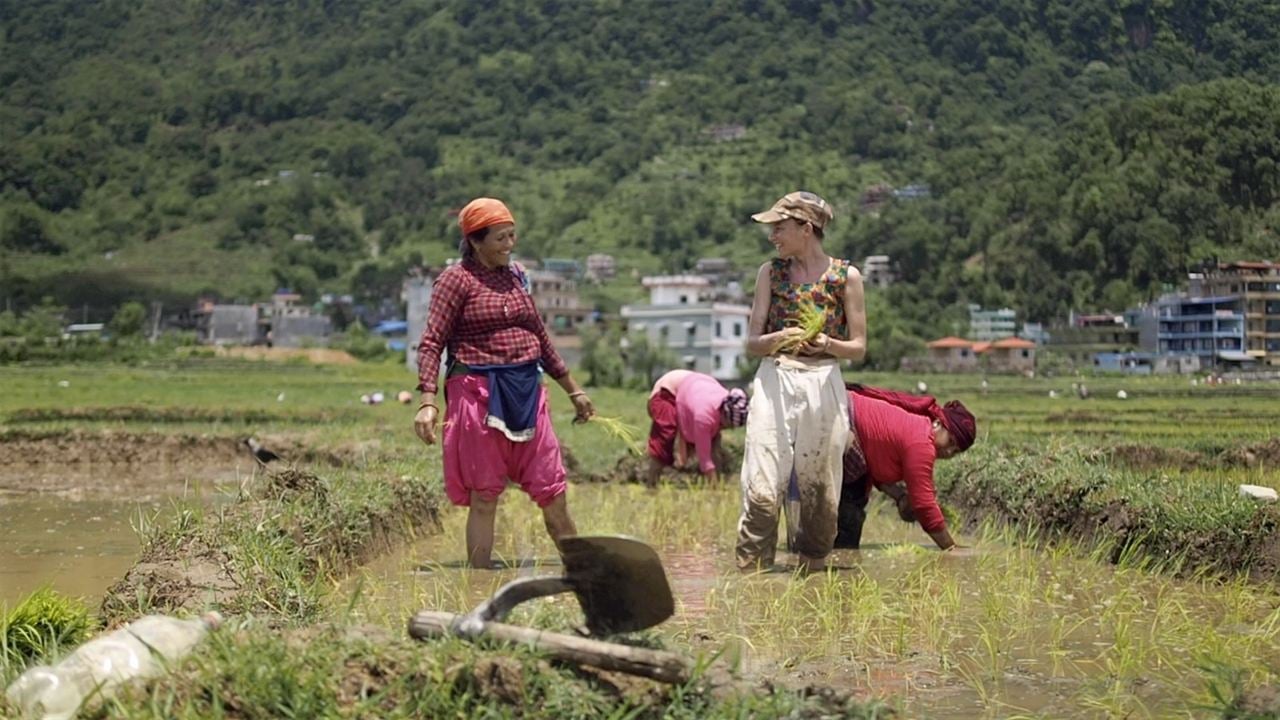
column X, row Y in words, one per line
column 424, row 424
column 784, row 338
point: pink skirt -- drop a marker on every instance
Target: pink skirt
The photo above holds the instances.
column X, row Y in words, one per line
column 478, row 458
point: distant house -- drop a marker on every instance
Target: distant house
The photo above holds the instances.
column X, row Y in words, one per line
column 284, row 322
column 1146, row 363
column 227, row 324
column 601, row 267
column 564, row 267
column 1008, row 355
column 290, row 324
column 79, row 330
column 992, row 324
column 877, row 272
column 415, row 291
column 1211, row 327
column 1085, row 337
column 705, row 335
column 727, row 133
column 953, row 354
column 557, row 299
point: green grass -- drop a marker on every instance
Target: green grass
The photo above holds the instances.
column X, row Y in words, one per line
column 39, row 625
column 1061, row 574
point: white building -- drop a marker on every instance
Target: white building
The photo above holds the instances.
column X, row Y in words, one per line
column 704, row 335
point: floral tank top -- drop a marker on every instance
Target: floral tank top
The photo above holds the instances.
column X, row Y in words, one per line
column 827, row 294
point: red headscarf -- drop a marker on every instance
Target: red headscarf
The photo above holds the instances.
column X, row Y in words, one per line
column 954, row 416
column 482, row 213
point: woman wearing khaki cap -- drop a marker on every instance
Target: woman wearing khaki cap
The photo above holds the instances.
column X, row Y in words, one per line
column 799, row 414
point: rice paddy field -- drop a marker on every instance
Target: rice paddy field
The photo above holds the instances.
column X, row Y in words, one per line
column 1113, row 569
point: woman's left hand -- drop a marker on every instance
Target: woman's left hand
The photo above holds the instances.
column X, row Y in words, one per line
column 584, row 408
column 817, row 346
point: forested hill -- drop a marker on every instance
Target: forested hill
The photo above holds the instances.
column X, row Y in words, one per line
column 1075, row 154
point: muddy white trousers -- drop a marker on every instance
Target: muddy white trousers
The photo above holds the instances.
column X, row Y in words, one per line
column 798, row 419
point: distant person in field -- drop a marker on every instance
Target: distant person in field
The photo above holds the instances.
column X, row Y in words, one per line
column 497, row 426
column 799, row 410
column 690, row 408
column 897, row 438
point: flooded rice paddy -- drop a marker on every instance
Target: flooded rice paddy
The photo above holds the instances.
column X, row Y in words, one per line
column 78, row 529
column 1009, row 630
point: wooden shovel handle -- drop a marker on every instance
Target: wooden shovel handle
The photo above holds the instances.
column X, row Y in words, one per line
column 667, row 667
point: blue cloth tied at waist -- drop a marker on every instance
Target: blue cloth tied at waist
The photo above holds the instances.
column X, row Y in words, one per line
column 514, row 391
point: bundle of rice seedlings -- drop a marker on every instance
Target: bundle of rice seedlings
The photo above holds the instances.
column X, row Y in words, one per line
column 809, row 319
column 42, row 622
column 628, row 434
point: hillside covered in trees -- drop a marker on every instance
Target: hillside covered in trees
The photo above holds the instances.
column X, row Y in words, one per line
column 1075, row 154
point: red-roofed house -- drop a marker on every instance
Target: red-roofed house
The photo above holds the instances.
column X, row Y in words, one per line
column 1010, row 354
column 952, row 354
column 1006, row 355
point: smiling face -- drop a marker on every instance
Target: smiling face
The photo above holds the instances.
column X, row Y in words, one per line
column 495, row 249
column 790, row 236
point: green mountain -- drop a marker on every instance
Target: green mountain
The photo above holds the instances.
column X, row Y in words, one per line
column 1057, row 154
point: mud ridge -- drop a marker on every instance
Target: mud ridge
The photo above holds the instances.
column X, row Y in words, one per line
column 195, row 565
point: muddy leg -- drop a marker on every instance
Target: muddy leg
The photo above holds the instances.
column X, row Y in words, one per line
column 480, row 520
column 556, row 517
column 655, row 471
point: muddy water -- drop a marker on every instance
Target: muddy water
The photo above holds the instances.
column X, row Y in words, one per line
column 78, row 530
column 1005, row 631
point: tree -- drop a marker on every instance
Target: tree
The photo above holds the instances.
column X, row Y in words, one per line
column 128, row 320
column 24, row 231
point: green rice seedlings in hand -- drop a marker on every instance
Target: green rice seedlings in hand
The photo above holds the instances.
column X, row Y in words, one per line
column 809, row 319
column 628, row 434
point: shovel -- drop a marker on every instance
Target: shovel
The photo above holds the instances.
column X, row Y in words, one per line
column 619, row 581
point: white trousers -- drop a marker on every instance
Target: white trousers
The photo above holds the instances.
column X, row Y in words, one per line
column 798, row 420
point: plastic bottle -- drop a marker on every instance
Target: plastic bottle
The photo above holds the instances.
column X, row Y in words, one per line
column 143, row 648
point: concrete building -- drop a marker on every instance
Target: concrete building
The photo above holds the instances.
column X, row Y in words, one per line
column 877, row 272
column 601, row 267
column 227, row 324
column 992, row 324
column 415, row 291
column 1257, row 284
column 681, row 316
column 1085, row 336
column 1007, row 355
column 1146, row 363
column 1211, row 327
column 557, row 299
column 953, row 354
column 287, row 323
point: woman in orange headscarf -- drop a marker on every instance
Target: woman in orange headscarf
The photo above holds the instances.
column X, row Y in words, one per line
column 497, row 425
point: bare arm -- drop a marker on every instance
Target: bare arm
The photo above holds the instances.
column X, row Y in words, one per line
column 855, row 314
column 760, row 344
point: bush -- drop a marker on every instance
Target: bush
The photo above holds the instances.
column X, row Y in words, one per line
column 44, row 621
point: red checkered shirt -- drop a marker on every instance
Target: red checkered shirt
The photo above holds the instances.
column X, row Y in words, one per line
column 484, row 317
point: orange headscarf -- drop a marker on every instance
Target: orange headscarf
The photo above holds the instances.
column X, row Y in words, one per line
column 482, row 213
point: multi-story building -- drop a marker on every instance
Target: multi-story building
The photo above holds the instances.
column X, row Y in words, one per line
column 557, row 299
column 415, row 291
column 681, row 316
column 601, row 267
column 992, row 324
column 1257, row 284
column 1085, row 336
column 1210, row 327
column 877, row 271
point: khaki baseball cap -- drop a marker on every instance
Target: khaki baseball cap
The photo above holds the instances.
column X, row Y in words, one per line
column 800, row 205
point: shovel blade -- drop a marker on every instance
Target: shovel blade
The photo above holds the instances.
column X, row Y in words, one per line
column 619, row 582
